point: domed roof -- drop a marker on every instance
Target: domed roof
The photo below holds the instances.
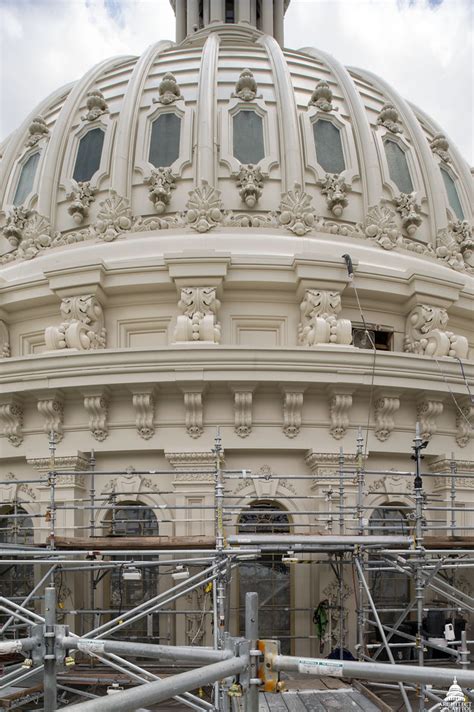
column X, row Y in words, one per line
column 165, row 141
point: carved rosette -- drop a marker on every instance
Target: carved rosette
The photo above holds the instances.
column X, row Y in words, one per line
column 380, row 226
column 409, row 210
column 464, row 424
column 36, row 130
column 11, row 419
column 243, row 413
column 334, row 188
column 27, row 231
column 82, row 327
column 322, row 97
column 428, row 411
column 52, row 411
column 168, row 90
column 96, row 406
column 81, row 196
column 292, row 412
column 198, row 321
column 440, row 145
column 426, row 334
column 296, row 213
column 385, row 409
column 319, row 323
column 96, row 105
column 113, row 218
column 246, row 87
column 390, row 118
column 339, row 408
column 144, row 407
column 250, row 184
column 193, row 413
column 204, row 208
column 161, row 183
column 5, row 350
column 455, row 245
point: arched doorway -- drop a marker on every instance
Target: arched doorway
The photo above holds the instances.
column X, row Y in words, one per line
column 16, row 580
column 134, row 519
column 268, row 576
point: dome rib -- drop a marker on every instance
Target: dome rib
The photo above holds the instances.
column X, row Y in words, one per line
column 57, row 145
column 206, row 113
column 292, row 166
column 127, row 125
column 433, row 181
column 16, row 142
column 371, row 176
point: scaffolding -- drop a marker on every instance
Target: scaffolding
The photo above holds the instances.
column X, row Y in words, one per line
column 43, row 653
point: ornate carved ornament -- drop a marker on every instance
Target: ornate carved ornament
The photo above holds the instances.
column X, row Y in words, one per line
column 455, row 246
column 426, row 334
column 409, row 210
column 380, row 226
column 144, row 407
column 161, row 183
column 52, row 411
column 81, row 196
column 12, row 490
column 292, row 412
column 440, row 145
column 198, row 322
column 250, row 184
column 389, row 117
column 36, row 130
column 28, row 232
column 69, row 463
column 5, row 350
column 465, row 424
column 327, row 463
column 243, row 412
column 193, row 409
column 334, row 188
column 322, row 97
column 296, row 213
column 339, row 409
column 428, row 411
column 168, row 90
column 11, row 420
column 82, row 327
column 385, row 408
column 96, row 406
column 194, row 467
column 204, row 208
column 319, row 323
column 126, row 485
column 246, row 87
column 96, row 106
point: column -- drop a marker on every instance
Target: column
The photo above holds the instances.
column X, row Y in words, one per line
column 217, row 11
column 243, row 11
column 180, row 20
column 278, row 16
column 267, row 17
column 192, row 16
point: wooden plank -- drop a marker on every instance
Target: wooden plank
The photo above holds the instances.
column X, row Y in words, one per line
column 293, row 702
column 305, row 683
column 336, row 701
column 333, row 683
column 363, row 702
column 101, row 543
column 312, row 701
column 275, row 702
column 380, row 704
column 262, row 703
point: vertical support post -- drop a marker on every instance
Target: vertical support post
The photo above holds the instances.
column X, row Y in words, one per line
column 251, row 633
column 360, row 557
column 192, row 16
column 419, row 581
column 360, row 482
column 219, row 587
column 52, row 479
column 50, row 682
column 267, row 17
column 278, row 24
column 217, row 11
column 243, row 9
column 180, row 20
column 453, row 468
column 341, row 490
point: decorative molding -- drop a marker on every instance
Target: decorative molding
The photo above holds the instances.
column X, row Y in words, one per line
column 292, row 411
column 327, row 463
column 339, row 408
column 389, row 484
column 246, row 87
column 144, row 406
column 28, row 232
column 464, row 424
column 334, row 188
column 11, row 420
column 296, row 213
column 81, row 196
column 243, row 411
column 322, row 97
column 82, row 328
column 36, row 130
column 204, row 208
column 250, row 184
column 5, row 350
column 11, row 490
column 67, row 463
column 96, row 105
column 96, row 405
column 385, row 408
column 319, row 323
column 409, row 210
column 51, row 410
column 192, row 467
column 126, row 485
column 266, row 484
column 440, row 145
column 426, row 334
column 455, row 245
column 161, row 183
column 193, row 408
column 389, row 117
column 168, row 90
column 428, row 410
column 198, row 321
column 114, row 217
column 380, row 226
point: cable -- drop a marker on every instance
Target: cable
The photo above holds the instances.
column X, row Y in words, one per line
column 461, row 412
column 465, row 379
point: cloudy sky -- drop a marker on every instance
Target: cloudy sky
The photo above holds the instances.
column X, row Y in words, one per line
column 423, row 48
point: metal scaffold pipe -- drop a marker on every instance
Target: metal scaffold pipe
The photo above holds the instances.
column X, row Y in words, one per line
column 146, row 650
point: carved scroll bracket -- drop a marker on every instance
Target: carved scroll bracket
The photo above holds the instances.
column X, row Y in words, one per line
column 51, row 409
column 144, row 401
column 385, row 407
column 193, row 409
column 340, row 404
column 11, row 420
column 428, row 410
column 243, row 400
column 292, row 409
column 96, row 404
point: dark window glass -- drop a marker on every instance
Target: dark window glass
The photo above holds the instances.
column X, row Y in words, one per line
column 398, row 166
column 248, row 137
column 453, row 196
column 268, row 576
column 327, row 139
column 229, row 11
column 27, row 177
column 16, row 527
column 89, row 154
column 164, row 146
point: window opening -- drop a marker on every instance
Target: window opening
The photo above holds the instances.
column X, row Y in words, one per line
column 398, row 166
column 453, row 197
column 89, row 155
column 248, row 137
column 269, row 576
column 327, row 139
column 229, row 11
column 16, row 527
column 165, row 136
column 26, row 180
column 380, row 336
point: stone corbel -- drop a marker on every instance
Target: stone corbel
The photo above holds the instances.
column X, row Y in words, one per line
column 319, row 323
column 51, row 409
column 426, row 333
column 292, row 409
column 96, row 404
column 82, row 327
column 385, row 407
column 193, row 410
column 340, row 404
column 243, row 398
column 464, row 424
column 144, row 407
column 428, row 410
column 198, row 322
column 4, row 340
column 11, row 420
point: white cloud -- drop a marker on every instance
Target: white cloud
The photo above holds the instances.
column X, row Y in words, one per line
column 424, row 50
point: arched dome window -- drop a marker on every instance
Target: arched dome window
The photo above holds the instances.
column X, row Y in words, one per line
column 89, row 155
column 453, row 197
column 134, row 519
column 229, row 11
column 16, row 527
column 26, row 180
column 327, row 140
column 165, row 138
column 269, row 576
column 398, row 166
column 249, row 145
